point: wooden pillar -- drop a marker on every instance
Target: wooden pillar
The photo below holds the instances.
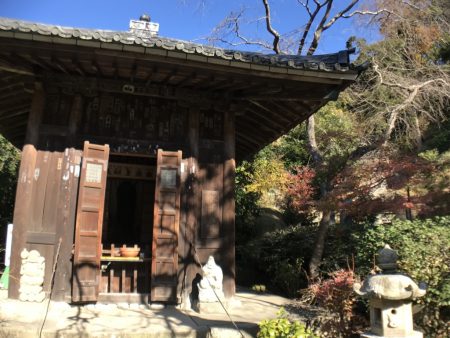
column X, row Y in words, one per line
column 22, row 215
column 75, row 118
column 35, row 116
column 228, row 216
column 191, row 203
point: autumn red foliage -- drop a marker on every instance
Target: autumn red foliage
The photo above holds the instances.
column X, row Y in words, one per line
column 300, row 188
column 337, row 296
column 379, row 184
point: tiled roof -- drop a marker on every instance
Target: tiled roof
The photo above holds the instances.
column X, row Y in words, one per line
column 337, row 62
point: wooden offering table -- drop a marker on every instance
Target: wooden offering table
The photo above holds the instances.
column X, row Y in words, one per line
column 123, row 275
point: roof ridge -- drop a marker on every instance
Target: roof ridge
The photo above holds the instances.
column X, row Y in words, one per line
column 339, row 61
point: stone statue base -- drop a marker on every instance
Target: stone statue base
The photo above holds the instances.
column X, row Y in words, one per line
column 414, row 334
column 215, row 307
column 209, row 308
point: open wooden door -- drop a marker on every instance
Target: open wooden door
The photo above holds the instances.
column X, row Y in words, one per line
column 165, row 227
column 88, row 228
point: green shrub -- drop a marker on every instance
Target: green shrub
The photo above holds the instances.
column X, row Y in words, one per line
column 424, row 254
column 280, row 256
column 283, row 255
column 282, row 327
column 9, row 166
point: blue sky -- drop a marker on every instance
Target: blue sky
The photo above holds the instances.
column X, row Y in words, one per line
column 180, row 19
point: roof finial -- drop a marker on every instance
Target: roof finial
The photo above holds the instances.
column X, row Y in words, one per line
column 145, row 17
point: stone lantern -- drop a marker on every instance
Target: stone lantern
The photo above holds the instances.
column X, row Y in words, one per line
column 390, row 294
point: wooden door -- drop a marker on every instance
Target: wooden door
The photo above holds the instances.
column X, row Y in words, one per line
column 88, row 228
column 165, row 227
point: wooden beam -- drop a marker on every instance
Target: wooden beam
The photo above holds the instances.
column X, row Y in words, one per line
column 192, row 204
column 269, row 118
column 9, row 58
column 79, row 84
column 282, row 108
column 78, row 67
column 96, row 68
column 228, row 212
column 16, row 101
column 23, row 111
column 22, row 216
column 76, row 114
column 297, row 106
column 229, row 82
column 257, row 124
column 8, row 86
column 149, row 79
column 35, row 116
column 244, row 146
column 204, row 85
column 13, row 109
column 246, row 137
column 169, row 76
column 17, row 123
column 133, row 72
column 43, row 62
column 12, row 93
column 40, row 62
column 116, row 69
column 186, row 80
column 15, row 69
column 251, row 130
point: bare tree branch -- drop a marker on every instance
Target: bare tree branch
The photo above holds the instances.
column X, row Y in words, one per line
column 411, row 88
column 231, row 24
column 374, row 13
column 270, row 29
column 422, row 91
column 413, row 93
column 312, row 17
column 319, row 29
column 306, row 5
column 408, row 3
column 340, row 14
column 324, row 25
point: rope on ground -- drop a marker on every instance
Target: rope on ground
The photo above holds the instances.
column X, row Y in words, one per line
column 218, row 298
column 51, row 287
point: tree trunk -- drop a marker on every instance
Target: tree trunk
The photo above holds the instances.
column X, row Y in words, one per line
column 417, row 133
column 319, row 245
column 312, row 143
column 325, row 221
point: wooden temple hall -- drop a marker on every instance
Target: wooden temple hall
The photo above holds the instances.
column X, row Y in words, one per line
column 130, row 139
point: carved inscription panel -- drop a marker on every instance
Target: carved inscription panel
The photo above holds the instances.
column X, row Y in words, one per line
column 133, row 117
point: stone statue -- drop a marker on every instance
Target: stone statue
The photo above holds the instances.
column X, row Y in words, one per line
column 210, row 287
column 32, row 274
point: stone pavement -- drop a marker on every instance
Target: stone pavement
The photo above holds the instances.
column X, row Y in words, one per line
column 23, row 320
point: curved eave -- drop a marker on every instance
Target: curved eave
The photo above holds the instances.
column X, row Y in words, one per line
column 268, row 98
